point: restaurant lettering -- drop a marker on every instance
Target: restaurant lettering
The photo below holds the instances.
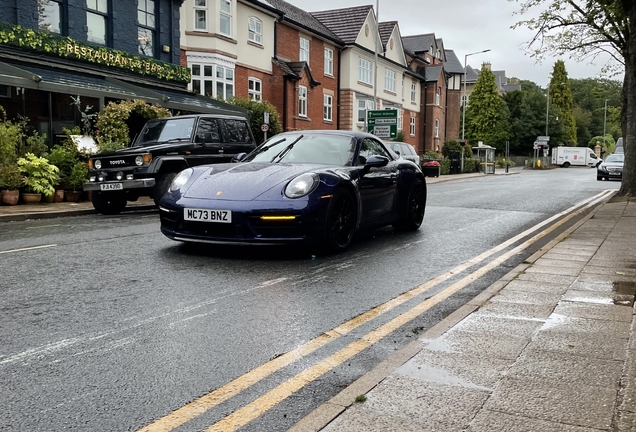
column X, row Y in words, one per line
column 111, row 59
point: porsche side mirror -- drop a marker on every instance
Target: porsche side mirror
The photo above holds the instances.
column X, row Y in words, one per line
column 376, row 161
column 239, row 157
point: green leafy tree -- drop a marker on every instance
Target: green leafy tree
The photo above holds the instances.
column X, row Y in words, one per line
column 560, row 101
column 487, row 116
column 527, row 116
column 584, row 29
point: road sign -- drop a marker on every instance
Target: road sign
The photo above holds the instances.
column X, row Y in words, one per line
column 382, row 123
column 543, row 138
column 265, row 118
column 264, row 127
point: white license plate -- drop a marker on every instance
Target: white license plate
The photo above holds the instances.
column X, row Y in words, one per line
column 205, row 215
column 111, row 186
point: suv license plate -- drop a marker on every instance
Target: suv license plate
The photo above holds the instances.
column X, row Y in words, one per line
column 206, row 215
column 111, row 186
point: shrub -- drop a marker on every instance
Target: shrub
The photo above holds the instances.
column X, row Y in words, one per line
column 40, row 175
column 468, row 151
column 431, row 155
column 452, row 148
column 11, row 135
column 501, row 162
column 257, row 110
column 10, row 177
column 400, row 136
column 77, row 177
column 444, row 167
column 36, row 144
column 63, row 158
column 470, row 165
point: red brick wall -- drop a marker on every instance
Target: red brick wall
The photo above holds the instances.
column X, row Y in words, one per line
column 288, row 47
column 434, row 111
column 453, row 115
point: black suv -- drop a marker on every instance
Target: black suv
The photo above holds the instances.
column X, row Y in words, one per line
column 162, row 149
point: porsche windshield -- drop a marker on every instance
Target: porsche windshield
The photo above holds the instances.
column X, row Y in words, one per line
column 166, row 130
column 310, row 149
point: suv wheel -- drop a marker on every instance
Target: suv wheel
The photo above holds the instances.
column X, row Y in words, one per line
column 109, row 203
column 161, row 187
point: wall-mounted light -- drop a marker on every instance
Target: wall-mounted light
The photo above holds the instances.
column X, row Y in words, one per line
column 165, row 48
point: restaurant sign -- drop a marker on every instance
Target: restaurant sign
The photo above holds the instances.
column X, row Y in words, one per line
column 61, row 46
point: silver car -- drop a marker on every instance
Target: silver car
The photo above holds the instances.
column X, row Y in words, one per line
column 406, row 151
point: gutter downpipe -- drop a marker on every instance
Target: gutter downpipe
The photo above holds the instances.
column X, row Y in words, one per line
column 338, row 89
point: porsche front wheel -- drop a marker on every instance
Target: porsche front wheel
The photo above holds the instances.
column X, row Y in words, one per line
column 341, row 221
column 415, row 208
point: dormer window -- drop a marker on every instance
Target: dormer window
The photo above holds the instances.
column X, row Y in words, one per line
column 255, row 30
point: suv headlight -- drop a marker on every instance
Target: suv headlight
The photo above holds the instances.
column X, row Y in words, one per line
column 181, row 179
column 139, row 160
column 302, row 185
column 97, row 164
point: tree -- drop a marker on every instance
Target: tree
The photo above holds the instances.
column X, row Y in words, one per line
column 584, row 29
column 527, row 116
column 560, row 101
column 257, row 111
column 487, row 115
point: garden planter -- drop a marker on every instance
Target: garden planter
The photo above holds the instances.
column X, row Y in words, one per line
column 31, row 198
column 59, row 196
column 10, row 197
column 72, row 196
column 49, row 198
column 431, row 171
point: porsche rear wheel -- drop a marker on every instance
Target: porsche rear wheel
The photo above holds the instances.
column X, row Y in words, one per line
column 415, row 207
column 341, row 221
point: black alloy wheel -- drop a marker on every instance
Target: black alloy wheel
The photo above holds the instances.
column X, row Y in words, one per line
column 161, row 187
column 341, row 221
column 109, row 203
column 415, row 207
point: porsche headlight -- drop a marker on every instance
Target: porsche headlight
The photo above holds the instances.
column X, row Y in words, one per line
column 181, row 179
column 302, row 185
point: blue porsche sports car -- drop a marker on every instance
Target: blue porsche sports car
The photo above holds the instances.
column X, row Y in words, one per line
column 303, row 187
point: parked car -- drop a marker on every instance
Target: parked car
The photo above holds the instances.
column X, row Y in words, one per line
column 311, row 187
column 162, row 149
column 407, row 151
column 611, row 167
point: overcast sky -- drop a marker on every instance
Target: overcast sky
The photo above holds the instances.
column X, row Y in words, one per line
column 467, row 26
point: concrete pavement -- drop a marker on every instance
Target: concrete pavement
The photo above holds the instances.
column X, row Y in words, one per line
column 549, row 347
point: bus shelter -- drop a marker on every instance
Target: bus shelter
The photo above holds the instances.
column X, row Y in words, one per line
column 486, row 156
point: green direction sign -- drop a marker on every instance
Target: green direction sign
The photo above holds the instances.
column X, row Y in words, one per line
column 382, row 123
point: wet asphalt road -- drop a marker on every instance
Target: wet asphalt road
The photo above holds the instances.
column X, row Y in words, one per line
column 112, row 326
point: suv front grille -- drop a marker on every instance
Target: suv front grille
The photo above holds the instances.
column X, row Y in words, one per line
column 118, row 162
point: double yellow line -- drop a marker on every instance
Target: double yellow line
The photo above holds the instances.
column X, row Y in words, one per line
column 270, row 399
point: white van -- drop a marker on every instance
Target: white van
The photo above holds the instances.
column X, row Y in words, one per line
column 576, row 156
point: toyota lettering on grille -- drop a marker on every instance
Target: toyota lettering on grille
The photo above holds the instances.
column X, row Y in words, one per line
column 117, row 162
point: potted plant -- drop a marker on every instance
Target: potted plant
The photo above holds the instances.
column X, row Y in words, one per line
column 40, row 177
column 65, row 159
column 431, row 168
column 75, row 181
column 10, row 183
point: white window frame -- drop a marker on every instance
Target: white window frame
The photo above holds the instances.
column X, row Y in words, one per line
column 227, row 80
column 438, row 96
column 328, row 62
column 255, row 30
column 436, row 128
column 200, row 6
column 302, row 101
column 389, row 80
column 464, row 99
column 254, row 89
column 304, row 53
column 365, row 71
column 363, row 106
column 412, row 126
column 225, row 14
column 327, row 112
column 413, row 92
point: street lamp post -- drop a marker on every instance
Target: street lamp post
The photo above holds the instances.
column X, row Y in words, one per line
column 464, row 99
column 605, row 122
